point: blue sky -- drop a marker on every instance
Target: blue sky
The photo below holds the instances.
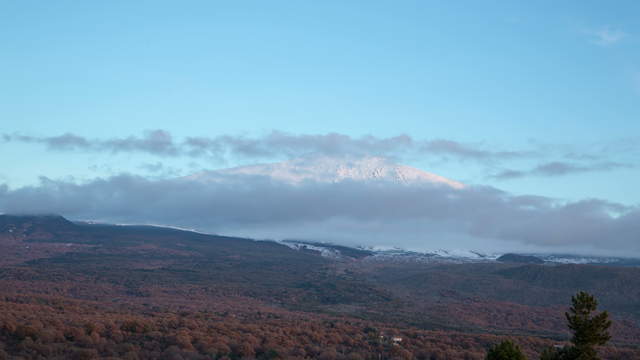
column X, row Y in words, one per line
column 557, row 82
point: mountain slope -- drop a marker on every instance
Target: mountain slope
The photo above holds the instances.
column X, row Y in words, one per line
column 327, row 169
column 152, row 272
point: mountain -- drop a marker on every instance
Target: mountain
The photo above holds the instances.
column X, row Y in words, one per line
column 449, row 256
column 30, row 224
column 338, row 252
column 332, row 170
column 523, row 259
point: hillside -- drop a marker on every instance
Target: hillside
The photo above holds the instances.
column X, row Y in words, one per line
column 146, row 291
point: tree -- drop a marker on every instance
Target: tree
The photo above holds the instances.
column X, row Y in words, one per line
column 550, row 354
column 589, row 330
column 564, row 353
column 506, row 350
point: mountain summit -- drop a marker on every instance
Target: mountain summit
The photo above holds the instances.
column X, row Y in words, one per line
column 332, row 170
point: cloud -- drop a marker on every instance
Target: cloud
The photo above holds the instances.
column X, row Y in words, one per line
column 159, row 170
column 415, row 217
column 62, row 142
column 157, row 142
column 509, row 174
column 559, row 168
column 607, row 36
column 278, row 144
column 274, row 144
column 453, row 148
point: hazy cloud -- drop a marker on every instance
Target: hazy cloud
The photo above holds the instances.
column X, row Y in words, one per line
column 62, row 142
column 559, row 168
column 274, row 144
column 157, row 142
column 152, row 167
column 160, row 170
column 448, row 147
column 606, row 36
column 418, row 217
column 509, row 174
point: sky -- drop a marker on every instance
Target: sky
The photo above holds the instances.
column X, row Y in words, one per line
column 519, row 100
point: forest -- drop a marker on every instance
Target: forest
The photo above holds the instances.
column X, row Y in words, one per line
column 80, row 291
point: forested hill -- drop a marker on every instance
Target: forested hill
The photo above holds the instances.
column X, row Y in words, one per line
column 83, row 291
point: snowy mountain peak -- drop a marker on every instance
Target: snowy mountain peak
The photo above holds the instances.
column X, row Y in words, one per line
column 332, row 170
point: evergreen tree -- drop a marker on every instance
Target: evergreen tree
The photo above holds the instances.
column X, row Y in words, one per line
column 565, row 353
column 589, row 330
column 506, row 350
column 549, row 354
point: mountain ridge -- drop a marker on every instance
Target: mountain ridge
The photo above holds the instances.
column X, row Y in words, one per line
column 51, row 227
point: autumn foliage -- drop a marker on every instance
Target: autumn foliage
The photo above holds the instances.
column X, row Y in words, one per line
column 98, row 292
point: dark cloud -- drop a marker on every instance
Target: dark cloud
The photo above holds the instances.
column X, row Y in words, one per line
column 558, row 168
column 425, row 217
column 274, row 144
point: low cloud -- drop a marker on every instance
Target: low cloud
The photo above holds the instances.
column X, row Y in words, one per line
column 558, row 168
column 416, row 217
column 275, row 144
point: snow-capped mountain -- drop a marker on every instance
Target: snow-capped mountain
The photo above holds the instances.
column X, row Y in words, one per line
column 332, row 170
column 439, row 256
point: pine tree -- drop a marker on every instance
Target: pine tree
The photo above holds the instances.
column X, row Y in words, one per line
column 565, row 353
column 589, row 330
column 506, row 350
column 550, row 354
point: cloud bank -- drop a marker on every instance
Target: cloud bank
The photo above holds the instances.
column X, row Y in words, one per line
column 275, row 144
column 418, row 217
column 229, row 149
